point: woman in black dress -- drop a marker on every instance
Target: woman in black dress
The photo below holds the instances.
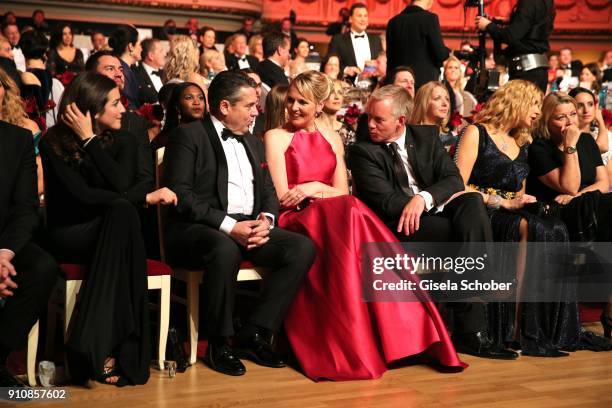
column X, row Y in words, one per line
column 63, row 55
column 492, row 159
column 185, row 104
column 567, row 169
column 92, row 190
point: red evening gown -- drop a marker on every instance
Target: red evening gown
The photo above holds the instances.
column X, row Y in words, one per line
column 334, row 334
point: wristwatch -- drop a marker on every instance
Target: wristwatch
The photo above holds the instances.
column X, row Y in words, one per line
column 570, row 149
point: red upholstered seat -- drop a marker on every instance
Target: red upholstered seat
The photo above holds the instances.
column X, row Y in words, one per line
column 246, row 264
column 78, row 272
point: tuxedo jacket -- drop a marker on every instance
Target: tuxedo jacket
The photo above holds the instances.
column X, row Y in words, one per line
column 342, row 46
column 271, row 74
column 196, row 170
column 146, row 89
column 18, row 194
column 376, row 182
column 232, row 62
column 414, row 39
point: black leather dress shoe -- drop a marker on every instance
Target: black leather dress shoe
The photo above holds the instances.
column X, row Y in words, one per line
column 479, row 345
column 545, row 353
column 252, row 345
column 221, row 358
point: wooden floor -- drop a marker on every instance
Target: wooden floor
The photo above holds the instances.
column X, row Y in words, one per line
column 582, row 380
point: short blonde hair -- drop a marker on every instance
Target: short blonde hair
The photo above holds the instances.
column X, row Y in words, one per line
column 183, row 58
column 459, row 84
column 206, row 57
column 400, row 99
column 550, row 103
column 508, row 105
column 313, row 85
column 252, row 41
column 421, row 103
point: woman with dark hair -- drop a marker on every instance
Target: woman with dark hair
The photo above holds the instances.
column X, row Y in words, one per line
column 590, row 77
column 126, row 46
column 185, row 104
column 330, row 66
column 276, row 112
column 63, row 55
column 93, row 188
column 590, row 120
column 298, row 64
column 37, row 82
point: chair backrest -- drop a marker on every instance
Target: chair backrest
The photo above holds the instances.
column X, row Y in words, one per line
column 159, row 171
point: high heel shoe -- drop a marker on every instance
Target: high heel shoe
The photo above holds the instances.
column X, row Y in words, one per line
column 606, row 323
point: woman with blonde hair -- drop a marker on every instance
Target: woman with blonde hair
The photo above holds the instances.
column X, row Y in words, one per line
column 211, row 63
column 256, row 47
column 492, row 160
column 276, row 112
column 333, row 333
column 567, row 169
column 432, row 106
column 183, row 62
column 13, row 112
column 465, row 102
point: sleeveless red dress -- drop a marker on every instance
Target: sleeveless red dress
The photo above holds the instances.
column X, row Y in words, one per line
column 334, row 334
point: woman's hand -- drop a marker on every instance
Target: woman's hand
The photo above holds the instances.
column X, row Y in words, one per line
column 163, row 196
column 293, row 197
column 571, row 134
column 564, row 199
column 79, row 123
column 518, row 202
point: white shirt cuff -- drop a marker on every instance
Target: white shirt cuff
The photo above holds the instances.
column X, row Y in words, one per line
column 429, row 202
column 227, row 225
column 271, row 219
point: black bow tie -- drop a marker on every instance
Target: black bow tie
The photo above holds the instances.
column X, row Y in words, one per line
column 228, row 134
column 158, row 73
column 358, row 35
column 243, row 59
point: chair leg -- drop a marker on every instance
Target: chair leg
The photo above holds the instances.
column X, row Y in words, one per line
column 164, row 319
column 193, row 314
column 72, row 289
column 32, row 349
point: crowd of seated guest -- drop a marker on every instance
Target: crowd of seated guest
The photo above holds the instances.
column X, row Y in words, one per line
column 256, row 169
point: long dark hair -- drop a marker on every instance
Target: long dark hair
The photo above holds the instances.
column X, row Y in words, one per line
column 173, row 112
column 57, row 33
column 89, row 91
column 121, row 37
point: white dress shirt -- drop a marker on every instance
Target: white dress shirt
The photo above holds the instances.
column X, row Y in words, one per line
column 412, row 183
column 362, row 49
column 156, row 79
column 243, row 62
column 240, row 178
column 19, row 59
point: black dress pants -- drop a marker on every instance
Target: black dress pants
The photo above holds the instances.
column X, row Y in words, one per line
column 463, row 219
column 36, row 275
column 287, row 255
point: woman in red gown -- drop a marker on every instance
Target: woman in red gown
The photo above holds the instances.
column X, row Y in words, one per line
column 333, row 332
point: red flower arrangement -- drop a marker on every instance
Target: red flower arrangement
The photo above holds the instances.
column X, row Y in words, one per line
column 455, row 119
column 607, row 117
column 351, row 115
column 153, row 113
column 66, row 77
column 477, row 109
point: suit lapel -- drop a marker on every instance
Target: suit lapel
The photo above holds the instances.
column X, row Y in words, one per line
column 222, row 174
column 348, row 43
column 412, row 157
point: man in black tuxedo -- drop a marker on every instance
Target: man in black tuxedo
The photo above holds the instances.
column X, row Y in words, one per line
column 414, row 39
column 276, row 50
column 407, row 178
column 27, row 273
column 356, row 47
column 150, row 70
column 226, row 212
column 239, row 59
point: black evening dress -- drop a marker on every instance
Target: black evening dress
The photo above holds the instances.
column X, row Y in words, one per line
column 544, row 327
column 93, row 220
